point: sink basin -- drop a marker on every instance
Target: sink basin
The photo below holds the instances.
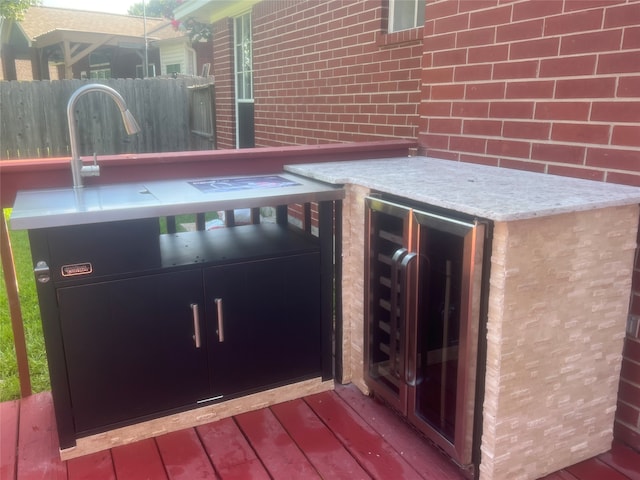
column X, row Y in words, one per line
column 58, row 203
column 107, row 203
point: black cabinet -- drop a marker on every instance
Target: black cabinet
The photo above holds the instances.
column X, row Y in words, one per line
column 265, row 317
column 199, row 317
column 129, row 347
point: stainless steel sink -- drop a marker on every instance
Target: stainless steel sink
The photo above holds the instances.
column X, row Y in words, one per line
column 67, row 202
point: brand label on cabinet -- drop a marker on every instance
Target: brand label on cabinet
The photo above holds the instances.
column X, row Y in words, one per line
column 77, row 269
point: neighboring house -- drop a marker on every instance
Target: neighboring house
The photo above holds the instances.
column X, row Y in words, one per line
column 84, row 44
column 548, row 86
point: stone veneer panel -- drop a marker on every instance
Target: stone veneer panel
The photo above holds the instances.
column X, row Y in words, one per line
column 353, row 286
column 559, row 297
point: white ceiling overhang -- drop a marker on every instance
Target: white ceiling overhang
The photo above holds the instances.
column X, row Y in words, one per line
column 210, row 11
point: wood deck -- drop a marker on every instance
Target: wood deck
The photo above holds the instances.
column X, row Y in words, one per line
column 334, row 435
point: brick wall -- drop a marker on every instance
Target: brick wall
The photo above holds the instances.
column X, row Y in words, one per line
column 222, row 70
column 326, row 72
column 547, row 86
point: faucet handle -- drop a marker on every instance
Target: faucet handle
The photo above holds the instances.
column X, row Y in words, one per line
column 91, row 170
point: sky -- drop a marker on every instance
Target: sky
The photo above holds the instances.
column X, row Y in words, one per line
column 109, row 6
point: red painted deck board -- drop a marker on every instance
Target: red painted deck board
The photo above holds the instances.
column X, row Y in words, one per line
column 372, row 452
column 273, row 445
column 228, row 449
column 139, row 460
column 9, row 412
column 624, row 460
column 38, row 446
column 561, row 475
column 97, row 466
column 594, row 469
column 184, row 457
column 308, row 438
column 318, row 443
column 428, row 461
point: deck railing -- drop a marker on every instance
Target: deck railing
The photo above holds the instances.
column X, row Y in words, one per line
column 18, row 175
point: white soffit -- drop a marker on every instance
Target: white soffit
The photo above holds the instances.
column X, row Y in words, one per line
column 211, row 11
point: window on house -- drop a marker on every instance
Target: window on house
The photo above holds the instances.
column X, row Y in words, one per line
column 405, row 14
column 151, row 71
column 244, row 58
column 99, row 66
column 100, row 73
column 173, row 68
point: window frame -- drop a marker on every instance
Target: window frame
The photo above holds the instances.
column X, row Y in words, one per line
column 417, row 22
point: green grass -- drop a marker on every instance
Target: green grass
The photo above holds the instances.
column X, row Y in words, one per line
column 9, row 382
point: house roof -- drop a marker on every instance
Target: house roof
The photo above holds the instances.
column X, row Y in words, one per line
column 39, row 21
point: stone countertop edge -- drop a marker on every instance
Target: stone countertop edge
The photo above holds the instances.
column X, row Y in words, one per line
column 494, row 193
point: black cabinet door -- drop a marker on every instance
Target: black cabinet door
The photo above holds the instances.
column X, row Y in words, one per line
column 263, row 321
column 130, row 347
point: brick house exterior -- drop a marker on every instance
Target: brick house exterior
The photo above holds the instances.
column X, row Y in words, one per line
column 548, row 86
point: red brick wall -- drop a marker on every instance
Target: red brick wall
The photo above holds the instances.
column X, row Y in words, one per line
column 222, row 70
column 326, row 72
column 547, row 86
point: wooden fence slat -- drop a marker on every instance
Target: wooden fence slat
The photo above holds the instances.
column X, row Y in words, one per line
column 34, row 120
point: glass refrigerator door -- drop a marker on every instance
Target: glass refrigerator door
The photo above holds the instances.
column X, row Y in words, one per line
column 387, row 248
column 442, row 361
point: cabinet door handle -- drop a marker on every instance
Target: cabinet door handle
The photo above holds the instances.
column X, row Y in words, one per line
column 196, row 324
column 218, row 302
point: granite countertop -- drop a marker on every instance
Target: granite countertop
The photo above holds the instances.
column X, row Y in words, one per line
column 498, row 194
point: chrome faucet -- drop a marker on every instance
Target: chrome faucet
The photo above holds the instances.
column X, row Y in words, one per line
column 78, row 170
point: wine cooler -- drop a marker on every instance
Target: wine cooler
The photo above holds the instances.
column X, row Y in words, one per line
column 423, row 307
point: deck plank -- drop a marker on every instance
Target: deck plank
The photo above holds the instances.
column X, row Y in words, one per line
column 594, row 469
column 417, row 451
column 184, row 456
column 138, row 460
column 9, row 412
column 623, row 459
column 38, row 446
column 95, row 466
column 372, row 452
column 231, row 454
column 273, row 445
column 318, row 443
column 561, row 475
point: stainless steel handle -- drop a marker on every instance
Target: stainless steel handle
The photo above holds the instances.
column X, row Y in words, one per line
column 218, row 302
column 409, row 307
column 396, row 328
column 196, row 324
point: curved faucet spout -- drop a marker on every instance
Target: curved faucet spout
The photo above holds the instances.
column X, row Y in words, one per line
column 131, row 126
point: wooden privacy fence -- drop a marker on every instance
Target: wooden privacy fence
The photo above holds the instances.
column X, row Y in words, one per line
column 33, row 120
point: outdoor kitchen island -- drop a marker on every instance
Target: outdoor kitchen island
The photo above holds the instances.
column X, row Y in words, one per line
column 558, row 263
column 150, row 330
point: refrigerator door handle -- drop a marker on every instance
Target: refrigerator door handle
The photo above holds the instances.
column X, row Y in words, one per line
column 409, row 309
column 396, row 328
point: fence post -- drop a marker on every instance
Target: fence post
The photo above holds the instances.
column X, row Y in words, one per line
column 11, row 281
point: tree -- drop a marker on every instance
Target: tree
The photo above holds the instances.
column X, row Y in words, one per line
column 14, row 9
column 164, row 8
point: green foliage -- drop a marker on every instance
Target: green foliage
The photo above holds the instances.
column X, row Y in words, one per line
column 165, row 8
column 14, row 9
column 9, row 382
column 155, row 8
